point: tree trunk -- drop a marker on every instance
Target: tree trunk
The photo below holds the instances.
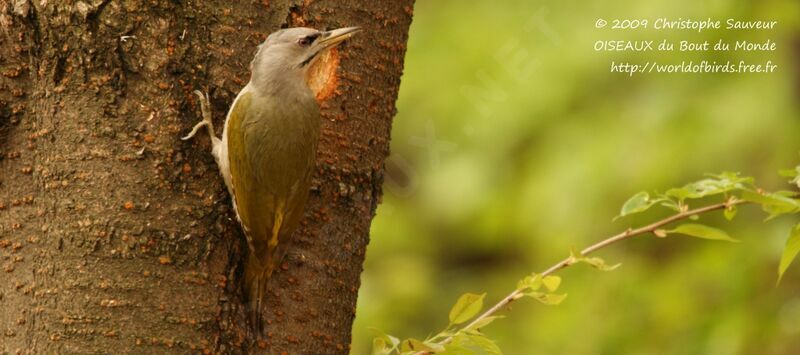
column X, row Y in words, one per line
column 117, row 236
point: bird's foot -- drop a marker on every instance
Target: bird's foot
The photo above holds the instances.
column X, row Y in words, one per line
column 206, row 110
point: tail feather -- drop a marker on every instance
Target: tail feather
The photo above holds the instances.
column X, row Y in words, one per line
column 256, row 278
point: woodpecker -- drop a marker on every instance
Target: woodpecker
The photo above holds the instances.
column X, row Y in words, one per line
column 267, row 150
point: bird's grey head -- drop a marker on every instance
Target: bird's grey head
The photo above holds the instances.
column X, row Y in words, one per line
column 287, row 54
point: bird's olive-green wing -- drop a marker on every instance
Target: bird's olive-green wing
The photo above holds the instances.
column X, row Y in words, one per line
column 269, row 194
column 251, row 207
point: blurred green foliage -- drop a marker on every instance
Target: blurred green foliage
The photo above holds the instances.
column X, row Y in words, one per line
column 514, row 144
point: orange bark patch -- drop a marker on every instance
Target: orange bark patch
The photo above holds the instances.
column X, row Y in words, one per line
column 322, row 77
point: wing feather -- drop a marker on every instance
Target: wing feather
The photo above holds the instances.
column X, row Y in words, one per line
column 270, row 188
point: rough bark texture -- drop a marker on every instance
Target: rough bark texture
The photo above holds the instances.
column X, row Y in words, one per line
column 117, row 236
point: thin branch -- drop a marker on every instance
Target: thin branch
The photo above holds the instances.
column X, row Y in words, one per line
column 630, row 233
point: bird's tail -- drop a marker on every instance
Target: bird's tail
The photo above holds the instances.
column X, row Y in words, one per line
column 256, row 277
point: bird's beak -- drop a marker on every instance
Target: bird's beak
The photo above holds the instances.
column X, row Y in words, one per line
column 332, row 38
column 328, row 40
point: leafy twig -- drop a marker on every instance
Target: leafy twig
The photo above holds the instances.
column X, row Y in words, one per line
column 737, row 190
column 652, row 228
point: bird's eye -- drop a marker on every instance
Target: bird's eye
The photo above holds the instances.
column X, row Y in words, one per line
column 307, row 40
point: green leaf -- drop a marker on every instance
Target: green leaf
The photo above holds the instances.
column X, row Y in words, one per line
column 441, row 335
column 730, row 212
column 773, row 204
column 794, row 174
column 786, row 193
column 671, row 204
column 467, row 306
column 702, row 231
column 679, row 193
column 484, row 343
column 551, row 282
column 790, row 251
column 733, row 180
column 532, row 282
column 637, row 203
column 384, row 342
column 547, row 298
column 456, row 349
column 595, row 262
column 379, row 347
column 414, row 345
column 471, row 341
column 716, row 184
column 484, row 322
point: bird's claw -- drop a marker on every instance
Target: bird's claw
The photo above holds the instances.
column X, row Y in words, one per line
column 206, row 112
column 194, row 130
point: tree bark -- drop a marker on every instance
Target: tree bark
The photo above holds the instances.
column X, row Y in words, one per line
column 117, row 236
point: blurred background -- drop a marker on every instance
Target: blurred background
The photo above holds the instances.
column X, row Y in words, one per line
column 514, row 143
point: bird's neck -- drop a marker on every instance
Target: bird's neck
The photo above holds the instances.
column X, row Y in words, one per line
column 279, row 80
